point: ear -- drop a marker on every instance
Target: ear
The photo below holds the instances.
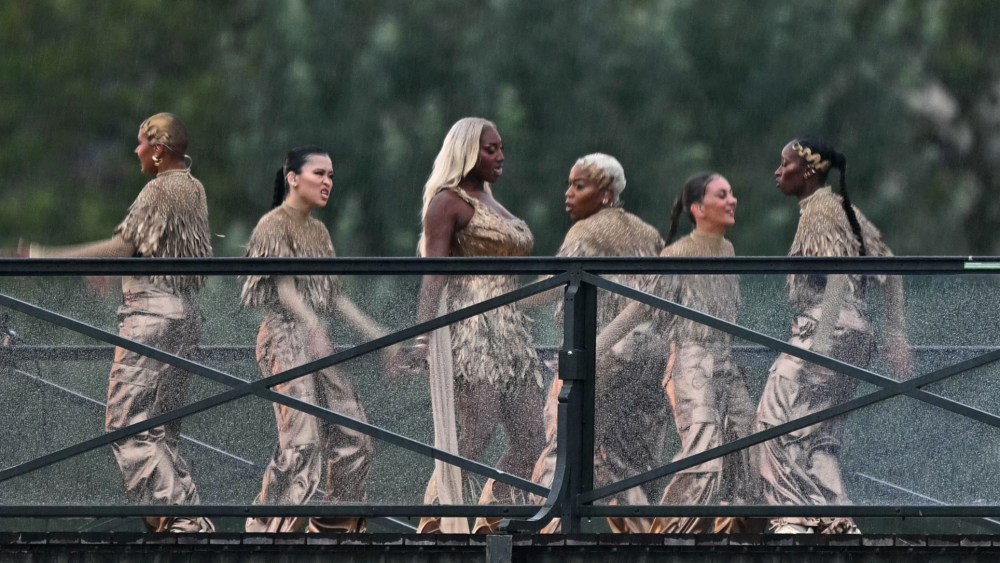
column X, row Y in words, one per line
column 290, row 179
column 697, row 211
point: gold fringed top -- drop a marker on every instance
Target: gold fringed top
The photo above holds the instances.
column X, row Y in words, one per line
column 169, row 219
column 495, row 346
column 825, row 231
column 713, row 294
column 613, row 232
column 286, row 232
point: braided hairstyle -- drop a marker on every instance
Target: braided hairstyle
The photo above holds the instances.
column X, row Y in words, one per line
column 294, row 161
column 692, row 192
column 831, row 158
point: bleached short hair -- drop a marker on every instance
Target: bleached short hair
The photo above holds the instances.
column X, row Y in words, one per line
column 606, row 172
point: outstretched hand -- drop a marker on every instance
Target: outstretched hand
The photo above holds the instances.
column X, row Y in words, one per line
column 899, row 355
column 100, row 285
column 23, row 249
column 408, row 362
column 319, row 343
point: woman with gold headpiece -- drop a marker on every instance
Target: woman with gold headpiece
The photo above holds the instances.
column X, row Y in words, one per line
column 707, row 391
column 292, row 334
column 169, row 219
column 484, row 370
column 630, row 412
column 802, row 468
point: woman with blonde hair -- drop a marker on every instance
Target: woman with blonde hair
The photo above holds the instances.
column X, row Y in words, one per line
column 630, row 414
column 484, row 370
column 168, row 219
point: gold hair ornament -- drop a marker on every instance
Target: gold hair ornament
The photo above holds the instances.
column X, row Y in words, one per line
column 814, row 161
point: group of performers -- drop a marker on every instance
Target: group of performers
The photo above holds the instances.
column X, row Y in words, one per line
column 484, row 371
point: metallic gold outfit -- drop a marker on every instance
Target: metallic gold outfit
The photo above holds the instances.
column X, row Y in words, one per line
column 630, row 411
column 802, row 468
column 497, row 372
column 169, row 219
column 305, row 443
column 707, row 392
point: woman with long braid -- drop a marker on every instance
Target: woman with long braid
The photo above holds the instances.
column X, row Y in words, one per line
column 802, row 468
column 292, row 334
column 707, row 391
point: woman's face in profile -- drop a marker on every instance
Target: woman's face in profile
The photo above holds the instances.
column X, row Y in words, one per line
column 489, row 167
column 145, row 151
column 790, row 174
column 718, row 206
column 583, row 196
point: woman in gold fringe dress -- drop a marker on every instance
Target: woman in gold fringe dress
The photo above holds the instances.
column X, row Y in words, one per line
column 803, row 468
column 484, row 371
column 631, row 415
column 292, row 334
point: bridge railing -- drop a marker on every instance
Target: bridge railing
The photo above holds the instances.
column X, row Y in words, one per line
column 919, row 444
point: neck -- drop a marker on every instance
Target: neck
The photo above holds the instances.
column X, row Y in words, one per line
column 714, row 231
column 171, row 164
column 296, row 205
column 472, row 185
column 809, row 190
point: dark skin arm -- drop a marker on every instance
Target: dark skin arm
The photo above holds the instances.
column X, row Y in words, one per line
column 446, row 215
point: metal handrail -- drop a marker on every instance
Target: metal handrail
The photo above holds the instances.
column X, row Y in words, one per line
column 572, row 494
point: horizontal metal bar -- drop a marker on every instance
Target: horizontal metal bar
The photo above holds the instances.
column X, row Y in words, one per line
column 773, row 432
column 261, row 388
column 365, row 510
column 910, row 265
column 768, row 511
column 784, row 347
column 388, row 510
column 990, row 523
column 89, row 353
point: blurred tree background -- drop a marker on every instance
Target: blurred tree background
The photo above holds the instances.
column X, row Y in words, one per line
column 908, row 89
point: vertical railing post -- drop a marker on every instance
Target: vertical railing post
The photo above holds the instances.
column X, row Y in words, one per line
column 576, row 370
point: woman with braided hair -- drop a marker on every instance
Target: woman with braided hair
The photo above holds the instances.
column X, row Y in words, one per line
column 169, row 219
column 706, row 390
column 802, row 468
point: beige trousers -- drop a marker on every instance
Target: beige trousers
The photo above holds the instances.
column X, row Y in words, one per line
column 802, row 468
column 305, row 443
column 629, row 427
column 140, row 388
column 481, row 407
column 711, row 404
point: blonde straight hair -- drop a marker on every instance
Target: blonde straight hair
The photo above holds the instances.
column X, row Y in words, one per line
column 458, row 156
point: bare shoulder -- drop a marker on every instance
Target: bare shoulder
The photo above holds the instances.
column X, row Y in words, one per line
column 447, row 204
